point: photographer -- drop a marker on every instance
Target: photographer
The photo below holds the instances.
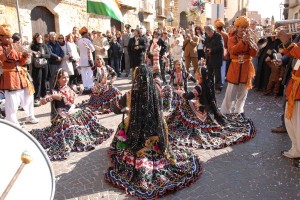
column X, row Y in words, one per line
column 190, row 45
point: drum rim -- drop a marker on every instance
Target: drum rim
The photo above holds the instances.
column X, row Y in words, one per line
column 42, row 150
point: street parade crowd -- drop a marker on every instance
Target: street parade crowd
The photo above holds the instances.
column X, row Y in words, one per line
column 160, row 115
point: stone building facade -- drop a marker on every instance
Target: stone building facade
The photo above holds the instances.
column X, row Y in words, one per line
column 61, row 16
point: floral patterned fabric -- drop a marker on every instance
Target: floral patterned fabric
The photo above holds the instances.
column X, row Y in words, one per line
column 188, row 126
column 102, row 98
column 149, row 173
column 77, row 132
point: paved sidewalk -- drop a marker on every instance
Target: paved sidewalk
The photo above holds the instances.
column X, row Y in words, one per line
column 253, row 170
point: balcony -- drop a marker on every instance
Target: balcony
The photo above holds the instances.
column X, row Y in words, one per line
column 147, row 7
column 128, row 5
column 161, row 13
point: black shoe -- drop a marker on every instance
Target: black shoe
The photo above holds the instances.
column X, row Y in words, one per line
column 218, row 91
column 279, row 129
column 89, row 148
column 37, row 103
column 126, row 75
column 297, row 162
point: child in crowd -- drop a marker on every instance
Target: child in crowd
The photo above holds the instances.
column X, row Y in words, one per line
column 277, row 72
column 177, row 51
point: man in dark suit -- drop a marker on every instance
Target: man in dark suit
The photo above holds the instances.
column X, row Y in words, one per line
column 214, row 47
column 136, row 49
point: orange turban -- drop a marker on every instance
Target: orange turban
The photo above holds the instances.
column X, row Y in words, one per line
column 5, row 30
column 242, row 21
column 83, row 30
column 219, row 22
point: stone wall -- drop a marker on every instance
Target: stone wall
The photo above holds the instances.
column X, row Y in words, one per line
column 68, row 13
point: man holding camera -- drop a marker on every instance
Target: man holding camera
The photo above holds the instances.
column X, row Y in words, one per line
column 190, row 45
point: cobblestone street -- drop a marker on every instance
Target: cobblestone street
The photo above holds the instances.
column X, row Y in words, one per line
column 253, row 170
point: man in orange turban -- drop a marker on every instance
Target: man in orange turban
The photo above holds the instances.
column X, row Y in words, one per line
column 5, row 30
column 219, row 24
column 241, row 70
column 13, row 80
column 86, row 60
column 292, row 110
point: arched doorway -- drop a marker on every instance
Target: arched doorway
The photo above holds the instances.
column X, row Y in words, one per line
column 42, row 20
column 183, row 20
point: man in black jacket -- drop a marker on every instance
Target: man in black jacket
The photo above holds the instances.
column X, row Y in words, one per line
column 214, row 47
column 136, row 49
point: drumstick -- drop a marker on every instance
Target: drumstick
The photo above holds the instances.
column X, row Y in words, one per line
column 26, row 159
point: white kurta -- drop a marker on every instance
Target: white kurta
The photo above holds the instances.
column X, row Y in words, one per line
column 86, row 72
column 293, row 128
column 12, row 101
column 235, row 98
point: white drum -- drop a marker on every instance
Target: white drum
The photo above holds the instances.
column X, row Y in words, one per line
column 36, row 180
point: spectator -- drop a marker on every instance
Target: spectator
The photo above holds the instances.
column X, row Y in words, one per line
column 214, row 47
column 39, row 75
column 56, row 57
column 86, row 59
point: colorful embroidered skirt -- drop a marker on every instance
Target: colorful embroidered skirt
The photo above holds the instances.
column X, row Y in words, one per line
column 78, row 132
column 152, row 174
column 100, row 101
column 170, row 99
column 187, row 126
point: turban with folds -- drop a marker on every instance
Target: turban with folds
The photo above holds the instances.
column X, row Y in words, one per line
column 5, row 30
column 83, row 30
column 219, row 22
column 242, row 21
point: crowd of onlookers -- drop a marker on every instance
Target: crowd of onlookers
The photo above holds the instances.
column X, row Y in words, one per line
column 130, row 47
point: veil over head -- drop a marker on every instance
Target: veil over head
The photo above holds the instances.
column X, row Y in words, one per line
column 146, row 118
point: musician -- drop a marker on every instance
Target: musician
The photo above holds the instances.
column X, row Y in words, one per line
column 292, row 117
column 14, row 79
column 241, row 70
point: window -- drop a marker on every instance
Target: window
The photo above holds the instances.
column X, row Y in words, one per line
column 225, row 3
column 296, row 16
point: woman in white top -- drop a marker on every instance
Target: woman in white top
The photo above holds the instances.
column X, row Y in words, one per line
column 73, row 58
column 65, row 64
column 200, row 50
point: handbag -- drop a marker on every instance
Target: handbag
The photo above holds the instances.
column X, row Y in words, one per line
column 39, row 62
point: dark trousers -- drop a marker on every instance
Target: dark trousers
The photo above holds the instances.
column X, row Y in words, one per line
column 115, row 64
column 214, row 74
column 39, row 76
column 201, row 54
column 162, row 69
column 136, row 60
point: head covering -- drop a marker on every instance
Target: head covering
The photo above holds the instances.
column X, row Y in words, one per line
column 208, row 97
column 5, row 30
column 127, row 26
column 16, row 37
column 145, row 116
column 242, row 21
column 83, row 30
column 219, row 23
column 191, row 23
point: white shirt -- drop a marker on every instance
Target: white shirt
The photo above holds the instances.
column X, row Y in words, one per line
column 83, row 61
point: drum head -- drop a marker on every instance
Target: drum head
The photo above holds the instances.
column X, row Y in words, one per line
column 36, row 180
